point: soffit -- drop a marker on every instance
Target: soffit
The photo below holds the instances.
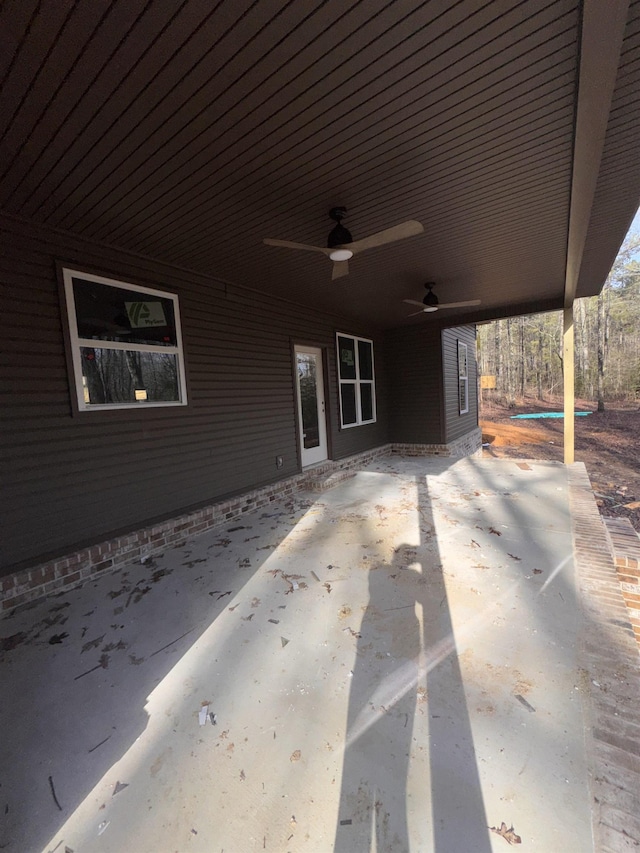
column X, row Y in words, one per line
column 188, row 133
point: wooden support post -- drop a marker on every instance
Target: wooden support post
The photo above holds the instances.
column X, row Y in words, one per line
column 569, row 385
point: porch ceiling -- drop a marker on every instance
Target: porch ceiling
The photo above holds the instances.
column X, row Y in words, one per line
column 188, row 132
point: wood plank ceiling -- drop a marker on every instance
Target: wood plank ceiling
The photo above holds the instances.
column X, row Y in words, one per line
column 189, row 131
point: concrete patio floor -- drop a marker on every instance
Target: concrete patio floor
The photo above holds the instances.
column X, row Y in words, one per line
column 392, row 665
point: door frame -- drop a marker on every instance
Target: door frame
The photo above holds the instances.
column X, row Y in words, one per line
column 302, row 344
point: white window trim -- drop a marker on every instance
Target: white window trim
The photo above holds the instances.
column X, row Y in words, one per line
column 463, row 378
column 77, row 342
column 357, row 381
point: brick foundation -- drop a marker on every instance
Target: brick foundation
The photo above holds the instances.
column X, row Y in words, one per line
column 468, row 445
column 73, row 569
column 625, row 543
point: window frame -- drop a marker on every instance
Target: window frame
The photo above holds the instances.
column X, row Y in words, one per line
column 357, row 382
column 76, row 343
column 463, row 378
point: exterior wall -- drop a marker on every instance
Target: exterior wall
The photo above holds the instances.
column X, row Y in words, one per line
column 414, row 360
column 457, row 425
column 71, row 481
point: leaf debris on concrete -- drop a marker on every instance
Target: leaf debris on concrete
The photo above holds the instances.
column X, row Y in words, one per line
column 507, row 833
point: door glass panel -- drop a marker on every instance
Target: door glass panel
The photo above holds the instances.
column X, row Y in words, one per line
column 366, row 401
column 365, row 360
column 307, row 376
column 347, row 355
column 348, row 397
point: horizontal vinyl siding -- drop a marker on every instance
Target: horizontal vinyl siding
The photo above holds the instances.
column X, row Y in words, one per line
column 414, row 360
column 457, row 425
column 73, row 480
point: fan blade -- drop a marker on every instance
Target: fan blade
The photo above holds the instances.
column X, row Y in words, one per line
column 459, row 304
column 340, row 269
column 398, row 232
column 415, row 313
column 285, row 244
column 413, row 302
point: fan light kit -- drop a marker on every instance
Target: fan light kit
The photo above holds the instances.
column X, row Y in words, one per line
column 432, row 303
column 341, row 246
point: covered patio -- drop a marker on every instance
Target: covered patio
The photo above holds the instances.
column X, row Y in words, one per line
column 399, row 663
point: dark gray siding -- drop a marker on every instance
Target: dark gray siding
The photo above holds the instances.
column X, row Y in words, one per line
column 457, row 425
column 414, row 360
column 72, row 480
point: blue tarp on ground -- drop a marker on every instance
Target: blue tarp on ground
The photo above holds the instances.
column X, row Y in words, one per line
column 548, row 415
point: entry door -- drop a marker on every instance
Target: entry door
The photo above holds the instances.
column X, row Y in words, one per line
column 312, row 421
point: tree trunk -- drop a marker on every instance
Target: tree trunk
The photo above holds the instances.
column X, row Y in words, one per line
column 600, row 326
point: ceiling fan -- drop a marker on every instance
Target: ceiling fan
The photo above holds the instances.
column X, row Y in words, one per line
column 341, row 246
column 432, row 303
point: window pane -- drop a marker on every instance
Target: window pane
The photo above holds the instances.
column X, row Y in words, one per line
column 307, row 375
column 347, row 357
column 462, row 360
column 107, row 313
column 365, row 359
column 348, row 397
column 120, row 376
column 462, row 394
column 366, row 401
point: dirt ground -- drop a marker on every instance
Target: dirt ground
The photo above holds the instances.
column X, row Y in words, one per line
column 608, row 443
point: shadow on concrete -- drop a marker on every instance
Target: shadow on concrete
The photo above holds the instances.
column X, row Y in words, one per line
column 421, row 665
column 74, row 708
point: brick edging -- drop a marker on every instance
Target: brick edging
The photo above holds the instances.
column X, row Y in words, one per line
column 609, row 661
column 625, row 543
column 73, row 569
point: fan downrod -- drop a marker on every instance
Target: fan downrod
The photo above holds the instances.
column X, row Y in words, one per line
column 337, row 213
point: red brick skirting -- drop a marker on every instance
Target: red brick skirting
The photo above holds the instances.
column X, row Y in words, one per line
column 610, row 688
column 72, row 569
column 626, row 548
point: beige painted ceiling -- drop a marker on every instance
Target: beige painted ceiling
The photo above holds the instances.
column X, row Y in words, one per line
column 189, row 131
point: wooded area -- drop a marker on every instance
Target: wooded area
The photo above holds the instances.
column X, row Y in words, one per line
column 525, row 353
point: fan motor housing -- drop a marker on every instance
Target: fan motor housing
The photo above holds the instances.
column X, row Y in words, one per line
column 339, row 235
column 430, row 300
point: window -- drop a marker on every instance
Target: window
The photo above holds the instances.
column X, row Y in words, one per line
column 463, row 379
column 356, row 380
column 126, row 344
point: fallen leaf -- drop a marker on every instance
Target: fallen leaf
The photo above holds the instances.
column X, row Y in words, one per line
column 327, row 586
column 507, row 833
column 92, row 644
column 513, row 557
column 494, row 531
column 296, row 756
column 537, row 571
column 57, row 638
column 242, row 776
